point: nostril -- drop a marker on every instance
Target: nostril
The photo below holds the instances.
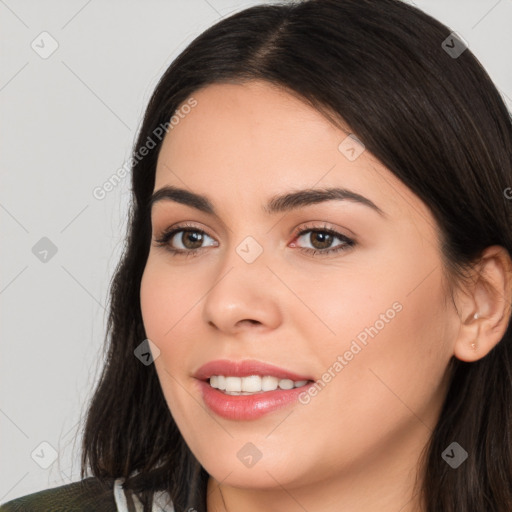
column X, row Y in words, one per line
column 250, row 320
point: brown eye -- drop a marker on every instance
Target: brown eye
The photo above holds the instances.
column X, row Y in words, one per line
column 190, row 239
column 320, row 239
column 184, row 240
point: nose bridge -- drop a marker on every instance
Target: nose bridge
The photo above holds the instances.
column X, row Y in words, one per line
column 241, row 290
column 249, row 255
column 247, row 245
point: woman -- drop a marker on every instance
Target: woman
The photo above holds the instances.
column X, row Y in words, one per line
column 313, row 308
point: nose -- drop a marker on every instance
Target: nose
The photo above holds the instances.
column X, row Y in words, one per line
column 242, row 296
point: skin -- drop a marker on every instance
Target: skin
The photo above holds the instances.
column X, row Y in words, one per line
column 356, row 444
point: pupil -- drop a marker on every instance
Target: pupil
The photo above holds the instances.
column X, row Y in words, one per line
column 194, row 237
column 325, row 240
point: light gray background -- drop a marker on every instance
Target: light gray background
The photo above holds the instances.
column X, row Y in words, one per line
column 68, row 123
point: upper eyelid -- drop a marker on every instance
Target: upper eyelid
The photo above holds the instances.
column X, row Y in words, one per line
column 178, row 227
column 170, row 232
column 155, row 217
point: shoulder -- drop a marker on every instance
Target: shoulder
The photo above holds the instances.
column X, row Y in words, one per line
column 86, row 495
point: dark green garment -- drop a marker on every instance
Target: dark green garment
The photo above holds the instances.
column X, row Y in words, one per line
column 88, row 495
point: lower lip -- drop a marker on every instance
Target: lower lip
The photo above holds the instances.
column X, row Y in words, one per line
column 248, row 407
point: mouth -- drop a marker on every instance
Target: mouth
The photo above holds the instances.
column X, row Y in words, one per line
column 253, row 384
column 248, row 389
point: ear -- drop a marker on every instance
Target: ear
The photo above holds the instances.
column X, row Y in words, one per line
column 490, row 297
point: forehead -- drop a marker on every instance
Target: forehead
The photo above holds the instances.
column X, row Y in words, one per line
column 257, row 111
column 257, row 139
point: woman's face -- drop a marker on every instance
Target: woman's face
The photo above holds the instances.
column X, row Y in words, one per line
column 367, row 321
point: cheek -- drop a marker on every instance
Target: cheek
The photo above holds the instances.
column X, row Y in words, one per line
column 170, row 301
column 166, row 297
column 398, row 375
column 340, row 307
column 389, row 331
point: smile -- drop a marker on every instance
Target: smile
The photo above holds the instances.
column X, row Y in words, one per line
column 252, row 384
column 248, row 389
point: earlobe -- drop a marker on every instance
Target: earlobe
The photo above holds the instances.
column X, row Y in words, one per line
column 490, row 296
column 468, row 347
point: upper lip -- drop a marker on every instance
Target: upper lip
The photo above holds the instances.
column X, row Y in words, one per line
column 245, row 368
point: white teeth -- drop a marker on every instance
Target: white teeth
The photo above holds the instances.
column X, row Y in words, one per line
column 233, row 384
column 269, row 383
column 252, row 384
column 286, row 384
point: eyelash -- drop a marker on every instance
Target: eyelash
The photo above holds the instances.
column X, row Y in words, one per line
column 167, row 235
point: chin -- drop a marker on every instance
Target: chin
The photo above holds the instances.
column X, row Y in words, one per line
column 274, row 468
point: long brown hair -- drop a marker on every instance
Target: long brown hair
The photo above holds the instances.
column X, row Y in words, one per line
column 435, row 120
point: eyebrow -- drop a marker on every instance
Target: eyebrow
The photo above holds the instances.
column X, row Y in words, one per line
column 276, row 204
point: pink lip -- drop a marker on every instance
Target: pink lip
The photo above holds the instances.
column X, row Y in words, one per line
column 247, row 407
column 244, row 369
